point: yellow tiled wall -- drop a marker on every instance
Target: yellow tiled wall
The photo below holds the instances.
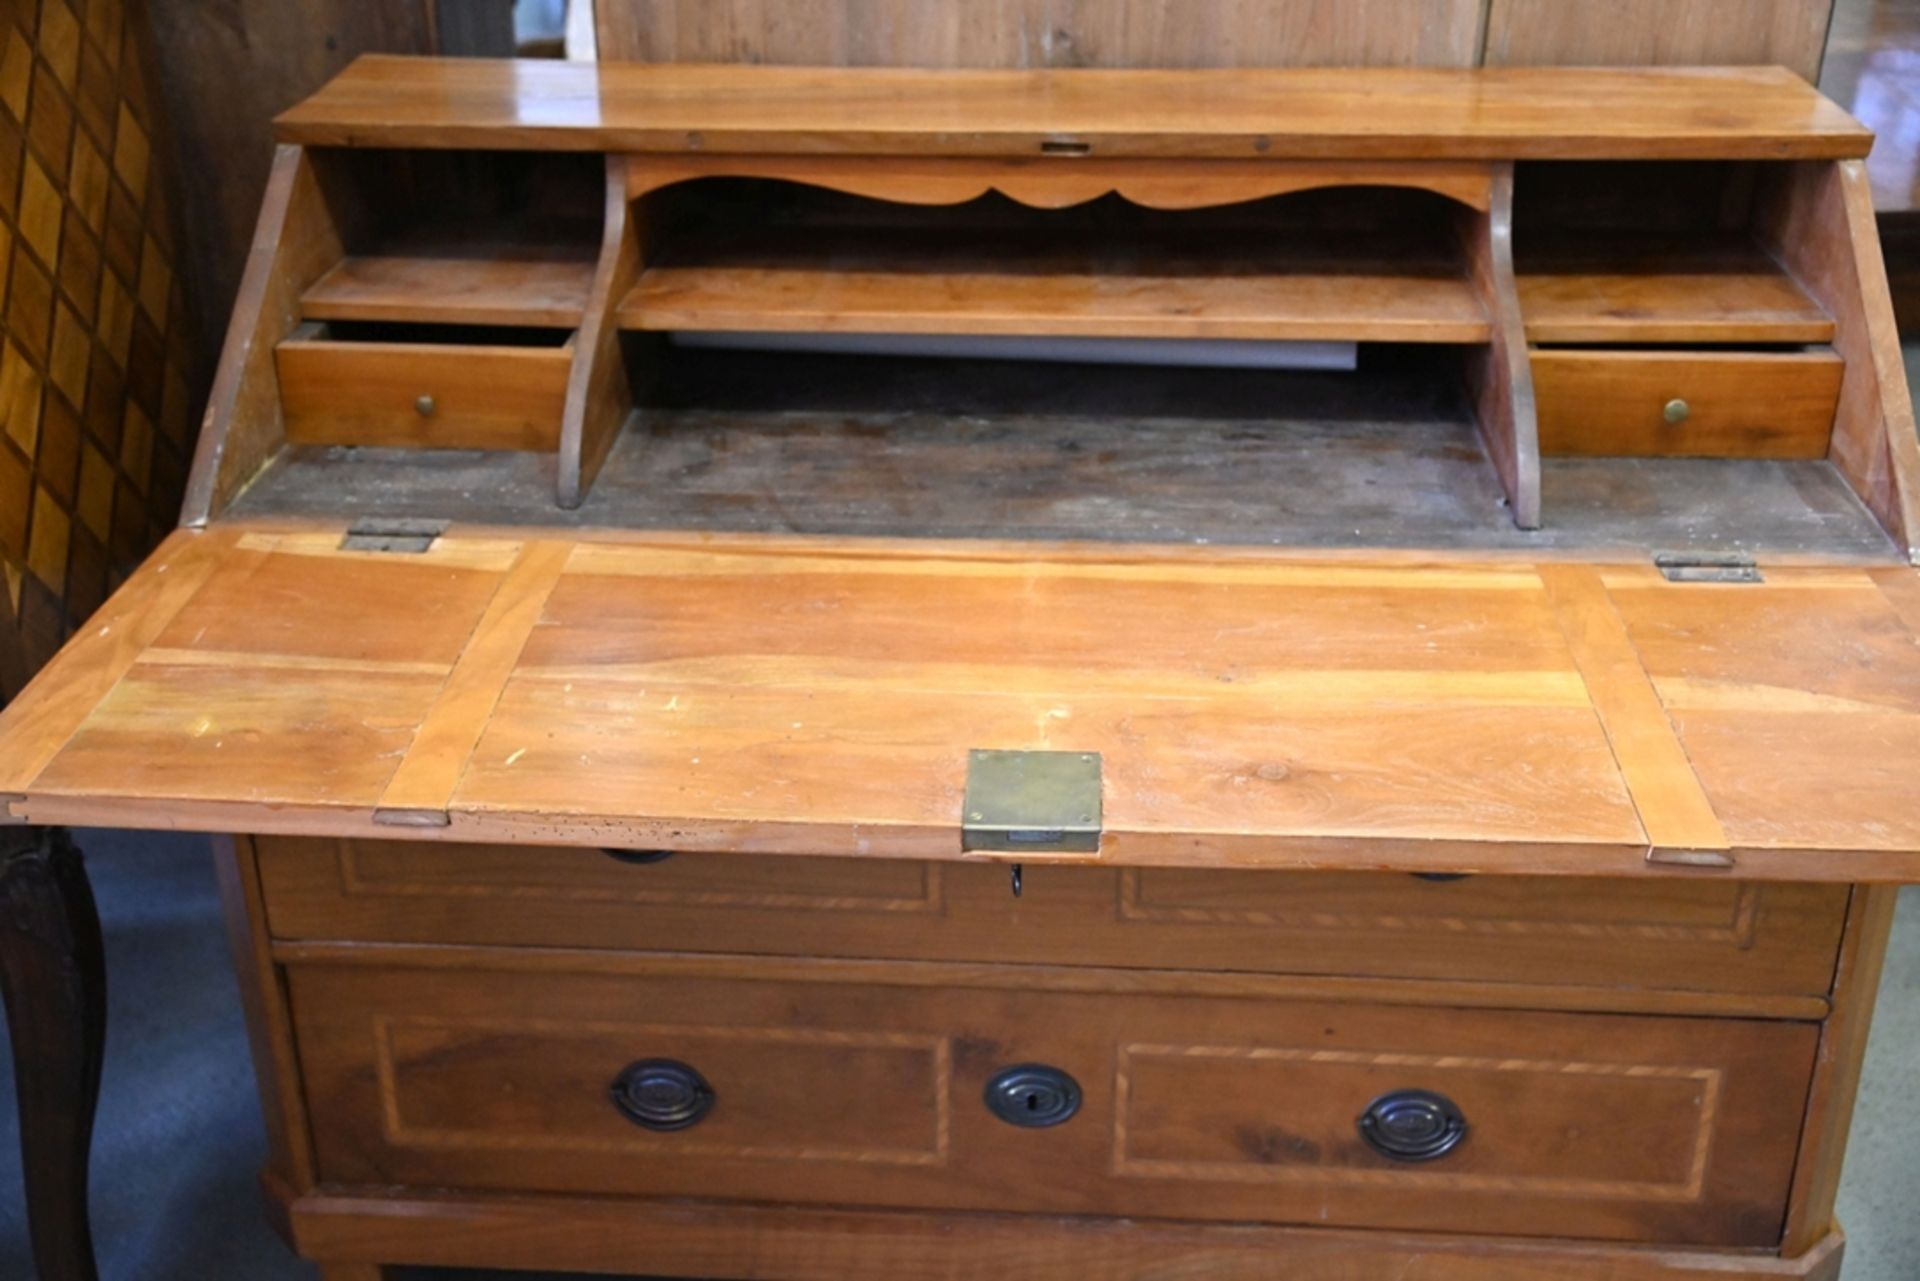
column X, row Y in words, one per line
column 96, row 412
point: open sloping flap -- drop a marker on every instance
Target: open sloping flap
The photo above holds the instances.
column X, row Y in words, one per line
column 1250, row 709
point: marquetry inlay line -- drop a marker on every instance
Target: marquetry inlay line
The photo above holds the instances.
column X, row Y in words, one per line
column 1689, row 1188
column 422, row 787
column 354, row 883
column 1667, row 795
column 38, row 723
column 1738, row 930
column 623, row 560
column 662, row 1039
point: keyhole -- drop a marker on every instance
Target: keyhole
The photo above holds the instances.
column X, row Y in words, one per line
column 1033, row 1103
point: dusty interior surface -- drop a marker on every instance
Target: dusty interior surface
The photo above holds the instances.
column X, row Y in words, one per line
column 1384, row 457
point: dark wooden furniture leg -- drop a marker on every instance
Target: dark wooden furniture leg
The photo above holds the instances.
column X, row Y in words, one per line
column 53, row 975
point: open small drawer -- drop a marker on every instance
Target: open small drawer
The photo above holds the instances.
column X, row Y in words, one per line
column 424, row 386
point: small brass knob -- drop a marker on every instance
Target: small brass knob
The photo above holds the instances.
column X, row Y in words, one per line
column 424, row 406
column 1677, row 411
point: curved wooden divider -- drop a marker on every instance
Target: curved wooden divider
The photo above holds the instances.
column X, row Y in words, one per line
column 1066, row 179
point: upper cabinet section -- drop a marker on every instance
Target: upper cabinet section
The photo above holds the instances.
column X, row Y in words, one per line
column 1502, row 114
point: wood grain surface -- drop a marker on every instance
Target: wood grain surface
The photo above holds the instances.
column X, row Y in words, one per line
column 1739, row 404
column 1193, row 1108
column 1723, row 937
column 816, row 1244
column 820, row 697
column 1341, row 113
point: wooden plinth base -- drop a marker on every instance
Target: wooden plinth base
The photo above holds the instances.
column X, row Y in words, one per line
column 701, row 1239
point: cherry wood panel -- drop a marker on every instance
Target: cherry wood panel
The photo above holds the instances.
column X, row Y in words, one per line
column 890, row 280
column 695, row 1238
column 1783, row 742
column 1373, row 113
column 819, row 698
column 1700, row 935
column 1196, row 1108
column 337, row 391
column 1739, row 404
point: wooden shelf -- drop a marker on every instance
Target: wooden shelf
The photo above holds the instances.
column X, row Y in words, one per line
column 1414, row 113
column 910, row 280
column 461, row 280
column 1652, row 288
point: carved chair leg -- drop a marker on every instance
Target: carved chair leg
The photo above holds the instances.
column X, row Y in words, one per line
column 53, row 976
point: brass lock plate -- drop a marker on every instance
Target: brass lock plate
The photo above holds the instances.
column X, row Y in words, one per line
column 1035, row 803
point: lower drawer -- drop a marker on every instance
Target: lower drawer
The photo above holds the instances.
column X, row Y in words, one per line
column 1658, row 933
column 734, row 1081
column 1686, row 404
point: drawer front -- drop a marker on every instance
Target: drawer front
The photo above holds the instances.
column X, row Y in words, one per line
column 1686, row 404
column 1678, row 934
column 422, row 395
column 762, row 1087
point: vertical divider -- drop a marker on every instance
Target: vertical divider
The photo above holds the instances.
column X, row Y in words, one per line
column 1816, row 219
column 298, row 237
column 1502, row 375
column 599, row 391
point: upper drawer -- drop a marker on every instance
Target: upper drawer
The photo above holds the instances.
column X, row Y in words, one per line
column 760, row 1086
column 1679, row 934
column 1686, row 404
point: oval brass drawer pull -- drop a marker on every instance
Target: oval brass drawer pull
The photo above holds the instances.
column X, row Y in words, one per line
column 1677, row 411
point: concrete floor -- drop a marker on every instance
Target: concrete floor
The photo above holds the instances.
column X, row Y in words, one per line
column 179, row 1132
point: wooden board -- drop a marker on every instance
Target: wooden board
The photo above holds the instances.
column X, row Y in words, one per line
column 688, row 1237
column 471, row 283
column 1595, row 287
column 1500, row 114
column 1790, row 33
column 820, row 697
column 869, row 1093
column 1032, row 33
column 887, row 280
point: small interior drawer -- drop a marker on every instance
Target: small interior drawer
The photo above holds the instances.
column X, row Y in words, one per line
column 424, row 387
column 1699, row 935
column 749, row 1082
column 1686, row 404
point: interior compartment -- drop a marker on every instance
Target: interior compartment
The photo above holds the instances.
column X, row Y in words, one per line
column 1356, row 263
column 838, row 445
column 1656, row 252
column 459, row 237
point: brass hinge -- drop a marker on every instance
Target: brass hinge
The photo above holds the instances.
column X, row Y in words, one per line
column 1707, row 567
column 392, row 534
column 1032, row 802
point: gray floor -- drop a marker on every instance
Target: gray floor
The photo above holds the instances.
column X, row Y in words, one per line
column 179, row 1135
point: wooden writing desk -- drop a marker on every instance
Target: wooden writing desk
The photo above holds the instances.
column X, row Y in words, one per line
column 1457, row 804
